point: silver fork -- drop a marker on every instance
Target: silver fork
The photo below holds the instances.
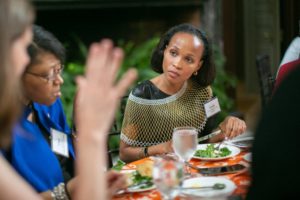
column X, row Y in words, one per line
column 135, row 187
column 219, row 145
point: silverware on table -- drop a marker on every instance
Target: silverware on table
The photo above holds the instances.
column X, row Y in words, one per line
column 141, row 185
column 212, row 134
column 216, row 186
column 220, row 144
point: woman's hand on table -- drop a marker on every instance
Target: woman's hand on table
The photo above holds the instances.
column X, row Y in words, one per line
column 232, row 127
column 161, row 148
column 129, row 153
column 165, row 147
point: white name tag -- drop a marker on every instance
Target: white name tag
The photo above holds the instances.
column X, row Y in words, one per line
column 212, row 107
column 59, row 143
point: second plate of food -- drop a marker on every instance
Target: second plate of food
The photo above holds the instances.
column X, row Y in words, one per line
column 210, row 152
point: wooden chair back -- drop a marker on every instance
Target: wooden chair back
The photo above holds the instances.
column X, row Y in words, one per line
column 114, row 135
column 266, row 80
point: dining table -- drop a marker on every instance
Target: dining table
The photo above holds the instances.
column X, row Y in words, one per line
column 241, row 179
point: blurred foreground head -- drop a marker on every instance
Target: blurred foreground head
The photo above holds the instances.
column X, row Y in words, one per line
column 16, row 18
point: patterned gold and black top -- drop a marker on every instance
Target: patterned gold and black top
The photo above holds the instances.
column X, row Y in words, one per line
column 151, row 115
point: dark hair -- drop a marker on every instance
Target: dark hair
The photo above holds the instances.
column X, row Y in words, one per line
column 44, row 41
column 207, row 72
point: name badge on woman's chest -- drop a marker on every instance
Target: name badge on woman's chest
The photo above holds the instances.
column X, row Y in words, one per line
column 59, row 143
column 212, row 107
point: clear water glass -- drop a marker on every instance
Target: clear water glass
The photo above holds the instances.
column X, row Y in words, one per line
column 185, row 143
column 167, row 177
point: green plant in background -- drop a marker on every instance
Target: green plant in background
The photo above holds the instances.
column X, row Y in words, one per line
column 138, row 56
column 71, row 70
column 222, row 83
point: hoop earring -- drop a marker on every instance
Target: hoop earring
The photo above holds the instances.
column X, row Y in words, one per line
column 195, row 73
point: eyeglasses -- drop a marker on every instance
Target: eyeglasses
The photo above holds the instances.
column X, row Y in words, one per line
column 49, row 77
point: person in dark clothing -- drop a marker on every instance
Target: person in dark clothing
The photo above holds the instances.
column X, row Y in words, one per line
column 276, row 145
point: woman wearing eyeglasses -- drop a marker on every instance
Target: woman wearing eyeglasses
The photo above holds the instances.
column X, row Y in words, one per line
column 42, row 150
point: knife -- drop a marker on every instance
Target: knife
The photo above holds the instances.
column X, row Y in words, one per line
column 212, row 134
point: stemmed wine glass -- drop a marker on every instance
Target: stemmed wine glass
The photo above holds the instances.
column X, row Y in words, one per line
column 167, row 175
column 185, row 143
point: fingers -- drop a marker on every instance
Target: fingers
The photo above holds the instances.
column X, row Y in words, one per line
column 116, row 182
column 103, row 63
column 112, row 176
column 99, row 60
column 169, row 147
column 232, row 127
column 126, row 81
column 117, row 58
column 92, row 60
column 81, row 83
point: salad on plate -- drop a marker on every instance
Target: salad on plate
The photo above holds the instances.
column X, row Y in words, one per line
column 211, row 152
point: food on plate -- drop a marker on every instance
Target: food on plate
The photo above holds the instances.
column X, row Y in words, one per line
column 212, row 152
column 137, row 181
column 129, row 176
column 140, row 178
column 146, row 168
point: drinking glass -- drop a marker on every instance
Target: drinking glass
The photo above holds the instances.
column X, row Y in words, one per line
column 185, row 143
column 167, row 176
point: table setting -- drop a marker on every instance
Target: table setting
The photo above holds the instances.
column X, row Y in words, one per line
column 193, row 171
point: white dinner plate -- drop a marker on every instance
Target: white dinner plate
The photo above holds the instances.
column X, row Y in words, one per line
column 243, row 142
column 248, row 157
column 234, row 151
column 208, row 181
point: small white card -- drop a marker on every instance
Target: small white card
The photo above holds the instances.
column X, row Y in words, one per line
column 59, row 143
column 212, row 107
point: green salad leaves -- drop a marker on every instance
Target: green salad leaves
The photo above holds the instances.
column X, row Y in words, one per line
column 119, row 165
column 140, row 181
column 212, row 152
column 136, row 180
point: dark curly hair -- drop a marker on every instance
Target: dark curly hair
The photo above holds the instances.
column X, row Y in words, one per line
column 207, row 72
